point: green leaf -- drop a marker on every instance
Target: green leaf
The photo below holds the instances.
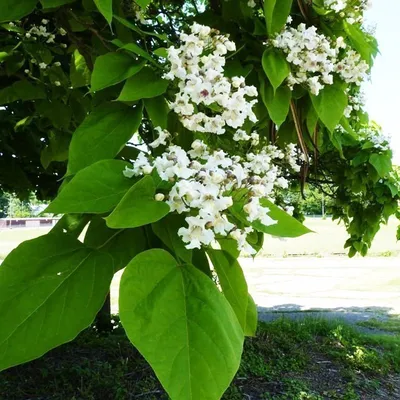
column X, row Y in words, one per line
column 382, row 163
column 112, row 68
column 286, row 225
column 138, row 207
column 144, row 85
column 21, row 90
column 106, row 8
column 122, row 244
column 103, row 134
column 276, row 14
column 312, row 120
column 3, row 55
column 71, row 224
column 55, row 3
column 51, row 288
column 251, row 318
column 200, row 261
column 232, row 281
column 143, row 3
column 95, row 189
column 167, row 230
column 56, row 150
column 57, row 112
column 141, row 32
column 14, row 10
column 277, row 103
column 157, row 110
column 182, row 324
column 363, row 43
column 161, row 52
column 79, row 73
column 330, row 105
column 134, row 48
column 276, row 67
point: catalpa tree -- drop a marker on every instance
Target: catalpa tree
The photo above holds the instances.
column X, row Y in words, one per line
column 178, row 130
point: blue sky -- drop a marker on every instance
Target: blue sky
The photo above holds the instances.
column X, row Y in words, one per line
column 383, row 92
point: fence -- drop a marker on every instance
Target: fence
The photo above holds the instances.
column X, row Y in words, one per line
column 27, row 222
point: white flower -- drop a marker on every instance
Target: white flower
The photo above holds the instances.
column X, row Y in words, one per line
column 196, row 234
column 42, row 65
column 57, row 83
column 45, row 21
column 198, row 68
column 251, row 3
column 57, row 64
column 241, row 238
column 163, row 135
column 314, row 58
column 203, row 184
column 62, row 31
column 159, row 197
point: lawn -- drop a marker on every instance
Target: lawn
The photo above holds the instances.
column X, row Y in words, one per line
column 328, row 239
column 313, row 359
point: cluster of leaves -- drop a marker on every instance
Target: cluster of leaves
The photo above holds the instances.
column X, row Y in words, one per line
column 80, row 98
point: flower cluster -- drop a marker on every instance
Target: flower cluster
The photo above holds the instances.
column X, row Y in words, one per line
column 207, row 101
column 356, row 102
column 38, row 32
column 352, row 12
column 204, row 184
column 373, row 133
column 315, row 59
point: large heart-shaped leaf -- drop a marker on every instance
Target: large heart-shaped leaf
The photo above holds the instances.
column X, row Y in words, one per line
column 276, row 14
column 277, row 102
column 167, row 230
column 275, row 66
column 121, row 244
column 11, row 10
column 95, row 189
column 51, row 288
column 144, row 85
column 112, row 68
column 138, row 207
column 251, row 318
column 103, row 134
column 182, row 324
column 286, row 225
column 330, row 105
column 232, row 281
column 106, row 8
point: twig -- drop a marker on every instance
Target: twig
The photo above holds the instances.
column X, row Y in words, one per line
column 147, row 393
column 303, row 10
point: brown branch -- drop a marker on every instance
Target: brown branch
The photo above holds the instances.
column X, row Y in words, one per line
column 303, row 10
column 303, row 146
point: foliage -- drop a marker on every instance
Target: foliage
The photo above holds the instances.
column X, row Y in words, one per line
column 12, row 207
column 180, row 155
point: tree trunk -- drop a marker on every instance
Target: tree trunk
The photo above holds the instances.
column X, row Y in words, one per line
column 103, row 318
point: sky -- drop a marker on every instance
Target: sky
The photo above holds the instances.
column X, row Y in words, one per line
column 383, row 92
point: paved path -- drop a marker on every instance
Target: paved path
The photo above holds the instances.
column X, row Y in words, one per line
column 354, row 289
column 337, row 284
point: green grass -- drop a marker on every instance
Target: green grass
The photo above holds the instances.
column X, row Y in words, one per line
column 390, row 325
column 328, row 239
column 312, row 359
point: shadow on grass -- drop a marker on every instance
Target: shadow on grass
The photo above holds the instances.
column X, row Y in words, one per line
column 308, row 358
